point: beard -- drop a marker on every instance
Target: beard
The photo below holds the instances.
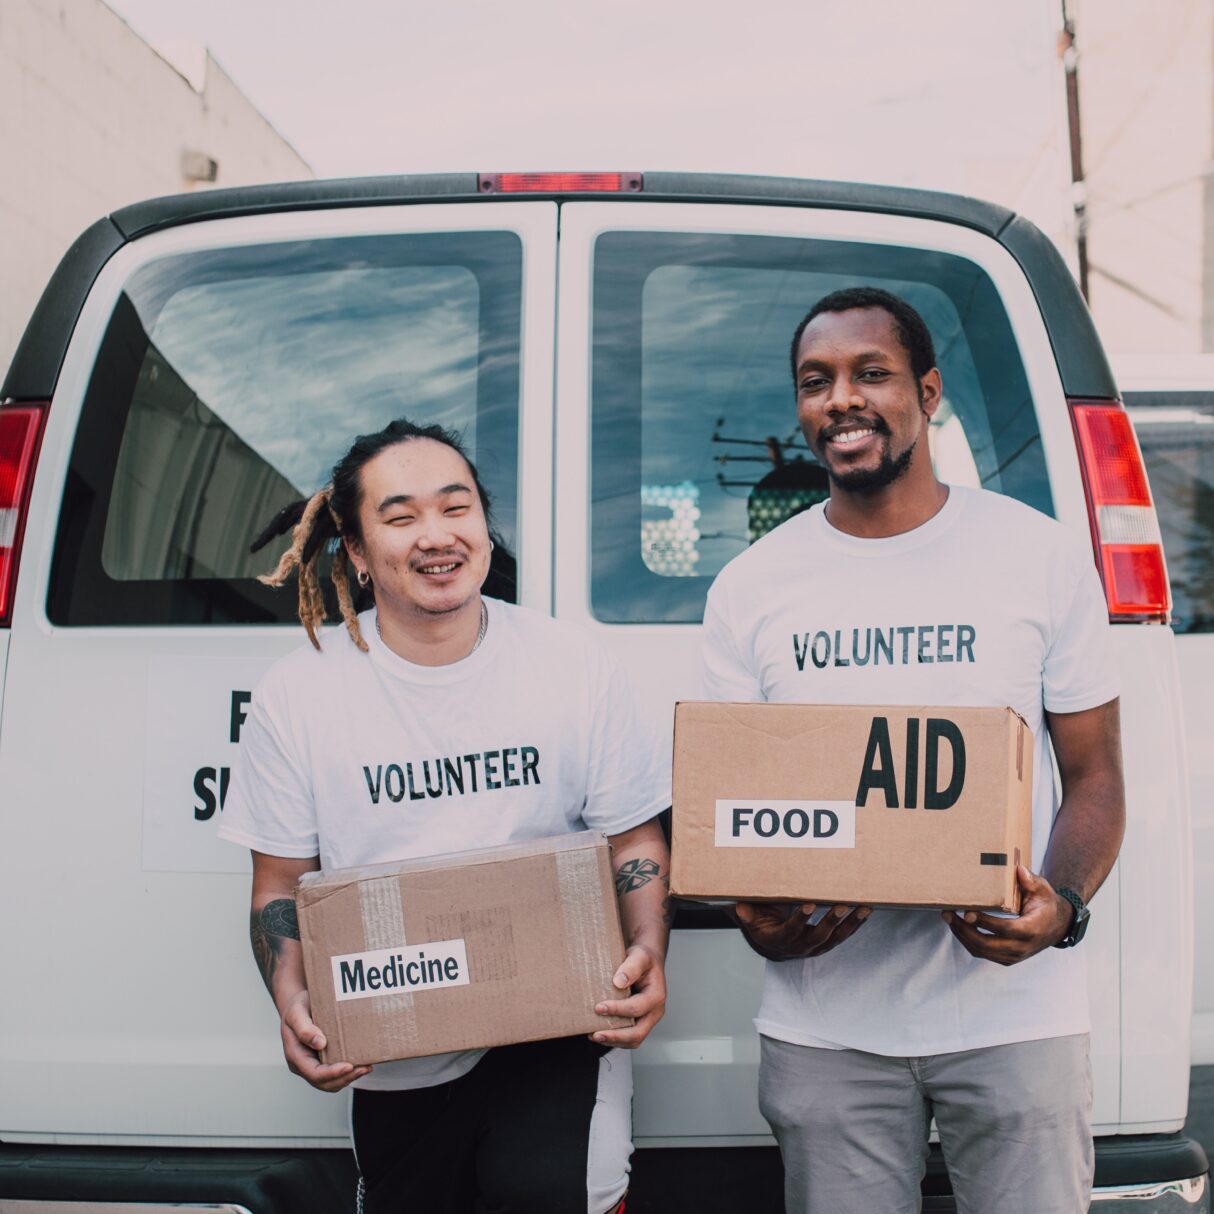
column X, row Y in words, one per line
column 873, row 480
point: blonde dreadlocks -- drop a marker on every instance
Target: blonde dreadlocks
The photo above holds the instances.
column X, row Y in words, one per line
column 317, row 523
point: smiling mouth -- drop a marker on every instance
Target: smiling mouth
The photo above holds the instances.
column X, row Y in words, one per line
column 846, row 437
column 433, row 570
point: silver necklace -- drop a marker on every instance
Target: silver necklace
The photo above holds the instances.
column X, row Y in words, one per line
column 480, row 632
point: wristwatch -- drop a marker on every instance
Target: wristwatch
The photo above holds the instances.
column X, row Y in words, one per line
column 1079, row 922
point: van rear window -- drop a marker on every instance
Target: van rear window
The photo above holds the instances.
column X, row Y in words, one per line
column 1176, row 433
column 696, row 451
column 230, row 381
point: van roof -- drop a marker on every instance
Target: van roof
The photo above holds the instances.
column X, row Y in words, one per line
column 144, row 217
column 35, row 367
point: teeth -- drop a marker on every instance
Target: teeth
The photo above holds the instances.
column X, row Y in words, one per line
column 851, row 436
column 438, row 569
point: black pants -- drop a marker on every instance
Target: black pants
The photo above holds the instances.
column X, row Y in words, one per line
column 510, row 1137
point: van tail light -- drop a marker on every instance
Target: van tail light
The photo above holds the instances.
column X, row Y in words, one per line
column 1125, row 529
column 20, row 437
column 560, row 183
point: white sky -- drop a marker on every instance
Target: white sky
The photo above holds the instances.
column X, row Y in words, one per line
column 952, row 94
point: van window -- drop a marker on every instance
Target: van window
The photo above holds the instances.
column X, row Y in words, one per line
column 230, row 381
column 1176, row 433
column 695, row 447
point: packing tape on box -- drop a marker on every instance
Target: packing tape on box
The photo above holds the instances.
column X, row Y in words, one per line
column 586, row 929
column 383, row 919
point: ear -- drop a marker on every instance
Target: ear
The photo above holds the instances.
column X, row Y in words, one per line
column 355, row 551
column 932, row 390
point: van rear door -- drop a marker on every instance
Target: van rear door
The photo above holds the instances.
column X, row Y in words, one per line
column 216, row 372
column 677, row 446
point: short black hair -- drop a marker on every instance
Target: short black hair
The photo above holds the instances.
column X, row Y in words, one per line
column 910, row 327
column 347, row 489
column 331, row 513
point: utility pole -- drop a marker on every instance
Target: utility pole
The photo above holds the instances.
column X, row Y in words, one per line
column 1069, row 54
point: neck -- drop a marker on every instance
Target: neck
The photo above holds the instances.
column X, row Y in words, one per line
column 894, row 510
column 431, row 640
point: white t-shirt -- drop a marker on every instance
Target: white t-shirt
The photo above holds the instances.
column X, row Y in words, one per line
column 989, row 603
column 363, row 758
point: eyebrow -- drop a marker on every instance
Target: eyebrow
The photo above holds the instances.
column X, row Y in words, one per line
column 401, row 499
column 863, row 357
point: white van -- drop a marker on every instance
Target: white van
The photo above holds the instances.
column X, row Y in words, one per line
column 1171, row 403
column 614, row 348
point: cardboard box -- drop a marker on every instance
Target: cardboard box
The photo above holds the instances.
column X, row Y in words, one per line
column 905, row 806
column 453, row 952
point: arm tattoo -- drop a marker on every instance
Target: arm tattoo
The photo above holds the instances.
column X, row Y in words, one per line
column 632, row 874
column 268, row 928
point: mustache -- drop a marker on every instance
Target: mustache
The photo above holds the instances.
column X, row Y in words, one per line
column 438, row 558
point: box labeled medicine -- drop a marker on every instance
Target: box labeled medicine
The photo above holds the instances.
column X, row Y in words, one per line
column 867, row 805
column 462, row 951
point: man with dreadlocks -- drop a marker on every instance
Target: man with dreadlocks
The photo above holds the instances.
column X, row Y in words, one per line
column 498, row 724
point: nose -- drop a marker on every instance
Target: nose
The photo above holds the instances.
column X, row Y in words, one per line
column 842, row 398
column 436, row 533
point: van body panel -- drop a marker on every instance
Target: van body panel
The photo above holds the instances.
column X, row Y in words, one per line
column 183, row 1023
column 663, row 659
column 1170, row 400
column 697, row 1077
column 91, row 707
column 1195, row 653
column 4, row 644
column 1197, row 684
column 1156, row 883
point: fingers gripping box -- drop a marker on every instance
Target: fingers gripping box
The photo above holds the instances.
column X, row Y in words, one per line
column 890, row 806
column 453, row 952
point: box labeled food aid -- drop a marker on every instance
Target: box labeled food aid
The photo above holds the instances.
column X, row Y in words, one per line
column 878, row 806
column 460, row 951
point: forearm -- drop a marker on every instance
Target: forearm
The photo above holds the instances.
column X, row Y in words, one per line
column 641, row 861
column 1088, row 829
column 274, row 935
column 274, row 926
column 274, row 932
column 1087, row 835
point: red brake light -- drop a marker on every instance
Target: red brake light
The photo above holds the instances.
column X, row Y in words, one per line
column 1111, row 455
column 20, row 434
column 560, row 183
column 1125, row 530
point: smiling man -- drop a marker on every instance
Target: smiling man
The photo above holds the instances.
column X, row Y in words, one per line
column 531, row 731
column 875, row 1021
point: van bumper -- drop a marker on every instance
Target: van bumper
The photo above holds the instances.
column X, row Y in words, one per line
column 55, row 1179
column 1139, row 1174
column 1173, row 1197
column 1151, row 1174
column 1135, row 1174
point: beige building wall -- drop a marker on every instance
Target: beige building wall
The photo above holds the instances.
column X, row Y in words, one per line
column 1146, row 80
column 92, row 118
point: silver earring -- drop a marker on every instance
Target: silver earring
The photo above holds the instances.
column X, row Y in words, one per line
column 364, row 578
column 490, row 545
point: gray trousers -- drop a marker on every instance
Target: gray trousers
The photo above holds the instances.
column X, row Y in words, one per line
column 1014, row 1122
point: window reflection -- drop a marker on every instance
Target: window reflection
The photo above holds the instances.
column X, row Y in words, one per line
column 230, row 381
column 693, row 400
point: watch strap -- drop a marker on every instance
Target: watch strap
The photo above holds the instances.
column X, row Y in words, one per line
column 1079, row 919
